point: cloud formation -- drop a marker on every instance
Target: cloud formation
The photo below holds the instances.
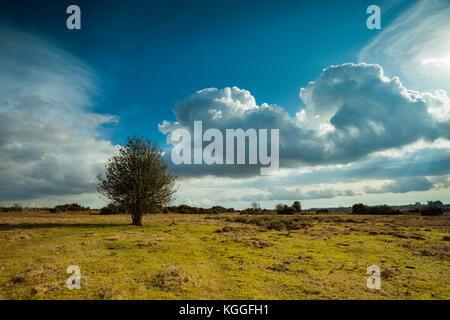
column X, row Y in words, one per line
column 359, row 131
column 351, row 111
column 402, row 185
column 50, row 142
column 281, row 193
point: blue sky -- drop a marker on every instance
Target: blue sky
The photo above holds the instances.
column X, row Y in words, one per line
column 132, row 62
column 150, row 54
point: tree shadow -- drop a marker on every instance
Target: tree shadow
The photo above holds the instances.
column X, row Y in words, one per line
column 30, row 226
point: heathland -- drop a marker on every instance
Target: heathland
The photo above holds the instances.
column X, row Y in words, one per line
column 224, row 256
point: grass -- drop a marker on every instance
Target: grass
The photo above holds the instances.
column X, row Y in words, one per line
column 226, row 256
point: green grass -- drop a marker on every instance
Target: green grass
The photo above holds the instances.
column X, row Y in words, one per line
column 183, row 257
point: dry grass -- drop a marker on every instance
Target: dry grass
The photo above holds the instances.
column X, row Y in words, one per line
column 171, row 277
column 226, row 256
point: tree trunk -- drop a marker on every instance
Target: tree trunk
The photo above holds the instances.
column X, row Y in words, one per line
column 137, row 218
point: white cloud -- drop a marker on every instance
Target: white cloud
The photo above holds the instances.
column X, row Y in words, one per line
column 200, row 203
column 50, row 143
column 352, row 111
column 402, row 185
column 362, row 128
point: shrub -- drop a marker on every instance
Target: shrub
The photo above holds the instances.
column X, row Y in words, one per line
column 185, row 209
column 224, row 229
column 110, row 209
column 21, row 209
column 297, row 206
column 11, row 209
column 260, row 222
column 276, row 225
column 435, row 203
column 360, row 208
column 241, row 219
column 273, row 222
column 284, row 209
column 256, row 211
column 279, row 208
column 432, row 210
column 69, row 207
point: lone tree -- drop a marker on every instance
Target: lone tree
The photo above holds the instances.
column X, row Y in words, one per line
column 137, row 179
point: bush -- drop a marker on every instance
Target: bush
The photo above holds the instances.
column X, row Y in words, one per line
column 432, row 210
column 111, row 209
column 273, row 222
column 360, row 208
column 297, row 206
column 435, row 203
column 21, row 209
column 15, row 208
column 69, row 207
column 256, row 211
column 185, row 209
column 240, row 219
column 284, row 209
column 276, row 225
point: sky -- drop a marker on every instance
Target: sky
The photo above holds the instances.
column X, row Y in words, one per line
column 363, row 114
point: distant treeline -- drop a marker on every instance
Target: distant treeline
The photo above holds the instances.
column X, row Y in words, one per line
column 405, row 207
column 19, row 208
column 360, row 208
column 428, row 210
column 195, row 210
column 184, row 209
column 69, row 207
column 432, row 208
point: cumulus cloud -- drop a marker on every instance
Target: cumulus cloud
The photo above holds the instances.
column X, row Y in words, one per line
column 356, row 124
column 50, row 143
column 363, row 130
column 351, row 111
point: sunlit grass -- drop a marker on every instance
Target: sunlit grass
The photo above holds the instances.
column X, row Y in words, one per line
column 183, row 257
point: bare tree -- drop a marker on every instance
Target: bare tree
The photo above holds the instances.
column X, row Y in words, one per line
column 137, row 179
column 255, row 205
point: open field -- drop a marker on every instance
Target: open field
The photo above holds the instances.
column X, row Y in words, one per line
column 225, row 256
